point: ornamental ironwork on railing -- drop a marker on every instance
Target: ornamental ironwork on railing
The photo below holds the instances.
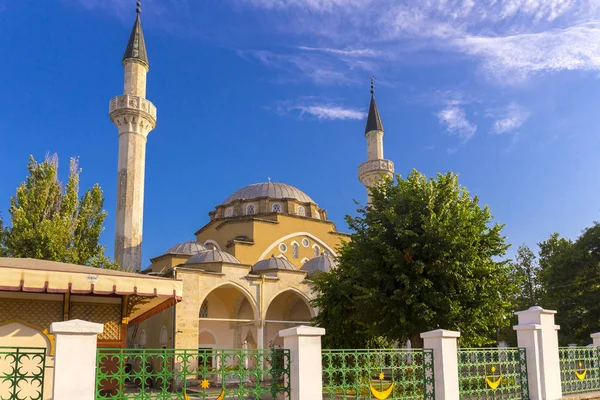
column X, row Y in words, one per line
column 22, row 373
column 143, row 374
column 579, row 369
column 381, row 373
column 493, row 373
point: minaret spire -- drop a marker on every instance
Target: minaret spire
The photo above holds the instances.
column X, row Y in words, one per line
column 376, row 167
column 134, row 117
column 136, row 47
column 373, row 119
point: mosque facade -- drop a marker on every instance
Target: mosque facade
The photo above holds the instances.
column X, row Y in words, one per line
column 247, row 274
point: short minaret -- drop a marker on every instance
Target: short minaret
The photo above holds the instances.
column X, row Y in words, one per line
column 372, row 171
column 135, row 117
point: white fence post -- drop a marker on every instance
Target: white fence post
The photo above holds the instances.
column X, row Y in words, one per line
column 445, row 362
column 306, row 369
column 75, row 359
column 538, row 333
column 595, row 339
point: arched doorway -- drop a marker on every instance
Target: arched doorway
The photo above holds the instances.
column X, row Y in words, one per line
column 287, row 309
column 227, row 317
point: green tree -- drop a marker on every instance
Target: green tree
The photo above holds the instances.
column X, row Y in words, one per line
column 527, row 279
column 570, row 281
column 422, row 257
column 49, row 221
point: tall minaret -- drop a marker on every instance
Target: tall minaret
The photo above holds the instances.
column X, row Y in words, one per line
column 371, row 171
column 135, row 117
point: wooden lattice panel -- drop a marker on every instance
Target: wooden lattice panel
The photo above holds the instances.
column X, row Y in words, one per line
column 107, row 314
column 40, row 313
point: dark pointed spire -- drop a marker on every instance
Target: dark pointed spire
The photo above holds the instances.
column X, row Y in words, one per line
column 136, row 48
column 373, row 120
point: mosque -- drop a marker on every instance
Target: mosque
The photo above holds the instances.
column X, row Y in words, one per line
column 248, row 272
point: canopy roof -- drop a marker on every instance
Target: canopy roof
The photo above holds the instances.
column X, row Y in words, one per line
column 41, row 276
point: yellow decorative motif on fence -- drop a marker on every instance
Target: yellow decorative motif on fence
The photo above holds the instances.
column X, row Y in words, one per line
column 491, row 383
column 383, row 394
column 580, row 375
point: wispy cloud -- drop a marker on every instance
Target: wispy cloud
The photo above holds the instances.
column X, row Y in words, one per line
column 297, row 67
column 509, row 119
column 454, row 118
column 349, row 52
column 518, row 56
column 508, row 39
column 331, row 112
column 322, row 109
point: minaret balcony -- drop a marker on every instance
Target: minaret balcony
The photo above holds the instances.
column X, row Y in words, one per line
column 385, row 167
column 134, row 103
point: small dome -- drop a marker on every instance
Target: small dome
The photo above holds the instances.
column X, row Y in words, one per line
column 274, row 263
column 186, row 248
column 272, row 190
column 210, row 256
column 323, row 263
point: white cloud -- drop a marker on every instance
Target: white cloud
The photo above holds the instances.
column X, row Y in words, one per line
column 319, row 69
column 509, row 39
column 508, row 120
column 344, row 52
column 454, row 118
column 322, row 109
column 312, row 5
column 517, row 56
column 331, row 112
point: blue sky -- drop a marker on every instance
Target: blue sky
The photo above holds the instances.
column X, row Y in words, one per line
column 505, row 93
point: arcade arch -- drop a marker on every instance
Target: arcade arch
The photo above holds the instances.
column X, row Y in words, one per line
column 287, row 309
column 227, row 316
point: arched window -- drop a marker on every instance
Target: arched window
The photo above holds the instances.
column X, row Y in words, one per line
column 301, row 211
column 143, row 339
column 229, row 212
column 317, row 250
column 250, row 210
column 204, row 309
column 317, row 215
column 276, row 207
column 164, row 337
column 295, row 250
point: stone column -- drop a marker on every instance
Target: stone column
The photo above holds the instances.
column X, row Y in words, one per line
column 75, row 359
column 306, row 369
column 445, row 362
column 538, row 334
column 595, row 339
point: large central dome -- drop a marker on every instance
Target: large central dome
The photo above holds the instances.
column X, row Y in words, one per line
column 272, row 190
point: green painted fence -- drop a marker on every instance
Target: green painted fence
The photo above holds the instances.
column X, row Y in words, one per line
column 144, row 374
column 22, row 373
column 382, row 373
column 579, row 369
column 493, row 373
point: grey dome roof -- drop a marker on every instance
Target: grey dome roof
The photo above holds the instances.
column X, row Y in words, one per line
column 274, row 263
column 269, row 189
column 323, row 263
column 209, row 256
column 186, row 248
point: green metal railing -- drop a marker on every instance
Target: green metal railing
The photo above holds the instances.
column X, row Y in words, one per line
column 493, row 373
column 144, row 374
column 22, row 373
column 579, row 369
column 382, row 373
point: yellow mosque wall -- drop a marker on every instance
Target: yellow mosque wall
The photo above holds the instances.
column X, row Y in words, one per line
column 259, row 237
